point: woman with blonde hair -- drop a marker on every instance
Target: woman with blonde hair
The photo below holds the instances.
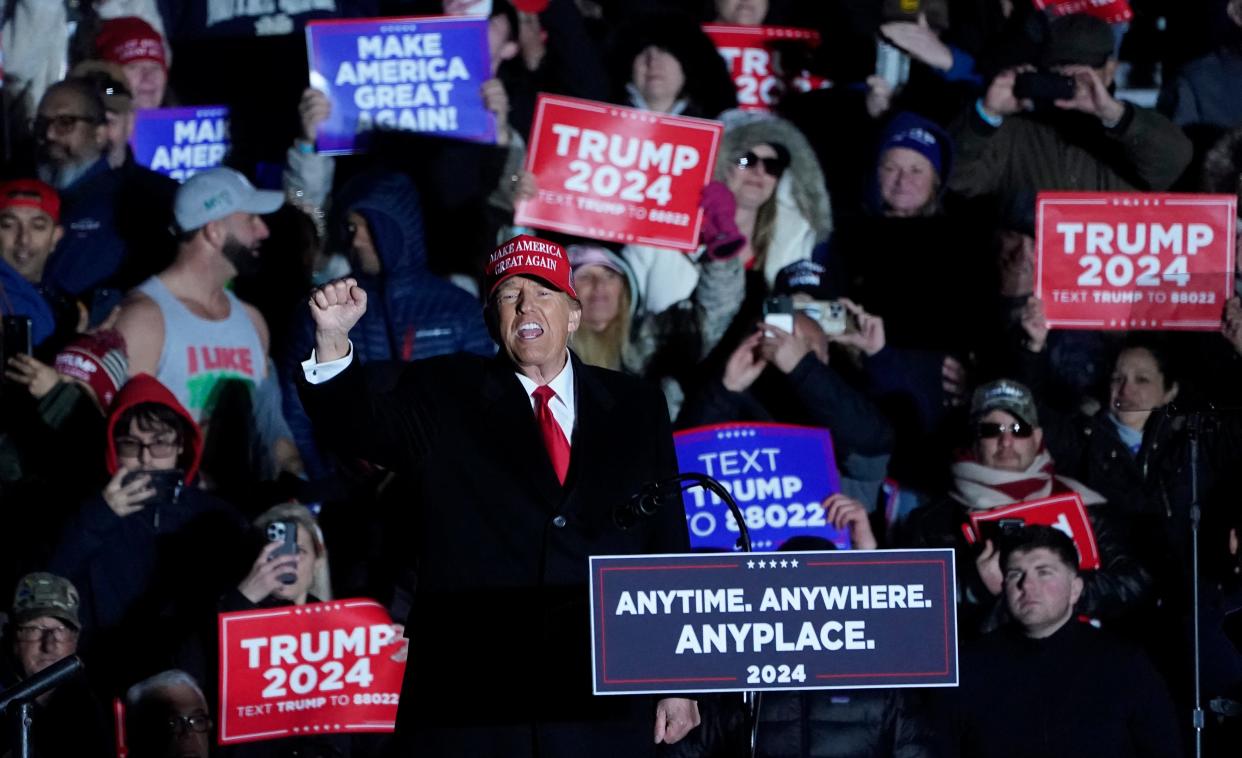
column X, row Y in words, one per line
column 605, row 288
column 297, row 579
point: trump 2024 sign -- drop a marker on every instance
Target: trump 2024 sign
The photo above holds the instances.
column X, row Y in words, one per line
column 770, row 621
column 618, row 174
column 1134, row 261
column 319, row 668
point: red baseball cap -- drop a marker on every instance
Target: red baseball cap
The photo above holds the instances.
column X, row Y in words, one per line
column 30, row 193
column 530, row 6
column 525, row 255
column 128, row 39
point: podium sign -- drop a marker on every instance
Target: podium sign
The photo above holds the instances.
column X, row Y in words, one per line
column 719, row 622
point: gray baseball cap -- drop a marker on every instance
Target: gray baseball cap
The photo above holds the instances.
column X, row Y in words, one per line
column 215, row 193
column 1004, row 395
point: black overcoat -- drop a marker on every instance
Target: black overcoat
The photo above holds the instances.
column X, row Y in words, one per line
column 500, row 629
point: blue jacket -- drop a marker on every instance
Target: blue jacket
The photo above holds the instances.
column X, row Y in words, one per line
column 92, row 250
column 18, row 297
column 411, row 313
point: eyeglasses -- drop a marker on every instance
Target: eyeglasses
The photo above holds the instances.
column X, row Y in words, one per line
column 985, row 430
column 195, row 723
column 32, row 633
column 61, row 124
column 132, row 447
column 773, row 167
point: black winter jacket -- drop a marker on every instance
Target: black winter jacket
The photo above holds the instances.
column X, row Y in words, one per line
column 821, row 724
column 1118, row 588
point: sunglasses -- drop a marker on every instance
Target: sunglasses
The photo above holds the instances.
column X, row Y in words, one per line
column 986, row 430
column 773, row 167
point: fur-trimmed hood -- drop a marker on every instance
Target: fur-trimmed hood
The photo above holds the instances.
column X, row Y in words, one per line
column 803, row 183
column 803, row 212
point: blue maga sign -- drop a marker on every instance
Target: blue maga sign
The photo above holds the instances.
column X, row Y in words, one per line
column 717, row 622
column 409, row 74
column 180, row 142
column 779, row 475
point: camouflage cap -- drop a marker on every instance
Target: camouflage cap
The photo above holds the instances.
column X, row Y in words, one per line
column 1005, row 395
column 43, row 594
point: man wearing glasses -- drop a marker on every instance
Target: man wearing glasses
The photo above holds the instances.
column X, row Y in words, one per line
column 1007, row 463
column 70, row 134
column 167, row 717
column 44, row 629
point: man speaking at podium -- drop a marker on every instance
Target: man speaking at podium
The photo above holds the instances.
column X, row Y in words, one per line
column 520, row 461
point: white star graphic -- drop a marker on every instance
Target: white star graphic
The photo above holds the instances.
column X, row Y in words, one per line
column 750, row 564
column 784, row 564
column 794, row 563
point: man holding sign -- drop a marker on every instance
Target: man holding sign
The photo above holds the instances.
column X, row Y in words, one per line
column 1008, row 464
column 521, row 462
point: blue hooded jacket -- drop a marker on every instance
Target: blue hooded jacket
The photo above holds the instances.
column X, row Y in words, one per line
column 411, row 313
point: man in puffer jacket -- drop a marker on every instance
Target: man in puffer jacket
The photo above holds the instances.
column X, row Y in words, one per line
column 412, row 313
column 1007, row 464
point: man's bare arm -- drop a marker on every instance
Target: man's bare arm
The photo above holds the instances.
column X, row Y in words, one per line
column 142, row 325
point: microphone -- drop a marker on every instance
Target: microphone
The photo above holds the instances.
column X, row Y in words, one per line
column 645, row 503
column 651, row 497
column 48, row 678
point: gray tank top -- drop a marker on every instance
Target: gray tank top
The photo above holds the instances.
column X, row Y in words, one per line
column 201, row 356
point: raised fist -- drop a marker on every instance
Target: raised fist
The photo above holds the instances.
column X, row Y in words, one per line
column 335, row 308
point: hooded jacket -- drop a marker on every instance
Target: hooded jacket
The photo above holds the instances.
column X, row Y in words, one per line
column 411, row 313
column 803, row 213
column 145, row 388
column 140, row 576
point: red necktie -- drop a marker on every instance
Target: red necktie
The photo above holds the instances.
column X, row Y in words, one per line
column 553, row 438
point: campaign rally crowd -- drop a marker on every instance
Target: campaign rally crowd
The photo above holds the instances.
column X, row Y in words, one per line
column 164, row 456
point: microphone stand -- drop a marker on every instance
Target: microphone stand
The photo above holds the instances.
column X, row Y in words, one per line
column 1194, row 425
column 1195, row 421
column 23, row 694
column 751, row 699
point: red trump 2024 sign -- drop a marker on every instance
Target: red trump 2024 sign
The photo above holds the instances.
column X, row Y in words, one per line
column 319, row 668
column 1134, row 260
column 1063, row 512
column 618, row 174
column 749, row 52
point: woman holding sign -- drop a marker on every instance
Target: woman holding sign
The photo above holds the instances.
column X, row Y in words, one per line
column 292, row 569
column 780, row 206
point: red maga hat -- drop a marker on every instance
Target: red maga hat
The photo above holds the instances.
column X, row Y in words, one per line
column 30, row 193
column 525, row 255
column 128, row 39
